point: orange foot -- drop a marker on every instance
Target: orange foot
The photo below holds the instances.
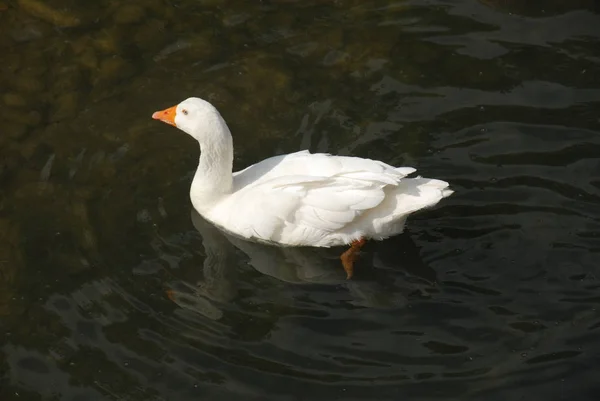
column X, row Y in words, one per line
column 349, row 257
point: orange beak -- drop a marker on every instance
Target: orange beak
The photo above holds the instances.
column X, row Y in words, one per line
column 166, row 115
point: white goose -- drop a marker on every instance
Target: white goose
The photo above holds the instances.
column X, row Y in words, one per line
column 299, row 199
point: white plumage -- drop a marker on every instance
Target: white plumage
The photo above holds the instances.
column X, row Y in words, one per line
column 299, row 199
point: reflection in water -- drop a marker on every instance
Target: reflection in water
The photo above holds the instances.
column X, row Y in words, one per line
column 492, row 295
column 296, row 265
column 289, row 264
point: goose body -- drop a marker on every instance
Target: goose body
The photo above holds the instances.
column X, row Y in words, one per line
column 298, row 199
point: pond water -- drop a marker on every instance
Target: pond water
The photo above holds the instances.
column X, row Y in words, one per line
column 112, row 288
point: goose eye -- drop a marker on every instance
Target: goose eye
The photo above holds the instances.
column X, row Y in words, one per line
column 185, row 112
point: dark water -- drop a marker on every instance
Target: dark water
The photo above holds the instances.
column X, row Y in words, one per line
column 113, row 289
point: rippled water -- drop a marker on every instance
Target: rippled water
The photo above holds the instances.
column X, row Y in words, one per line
column 112, row 288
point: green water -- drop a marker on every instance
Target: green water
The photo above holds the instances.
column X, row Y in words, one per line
column 111, row 288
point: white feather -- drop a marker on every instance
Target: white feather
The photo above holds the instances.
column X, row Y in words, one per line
column 290, row 200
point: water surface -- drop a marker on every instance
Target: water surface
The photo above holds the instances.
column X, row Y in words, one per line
column 112, row 288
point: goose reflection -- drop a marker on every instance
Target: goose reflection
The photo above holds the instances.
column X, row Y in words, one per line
column 381, row 285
